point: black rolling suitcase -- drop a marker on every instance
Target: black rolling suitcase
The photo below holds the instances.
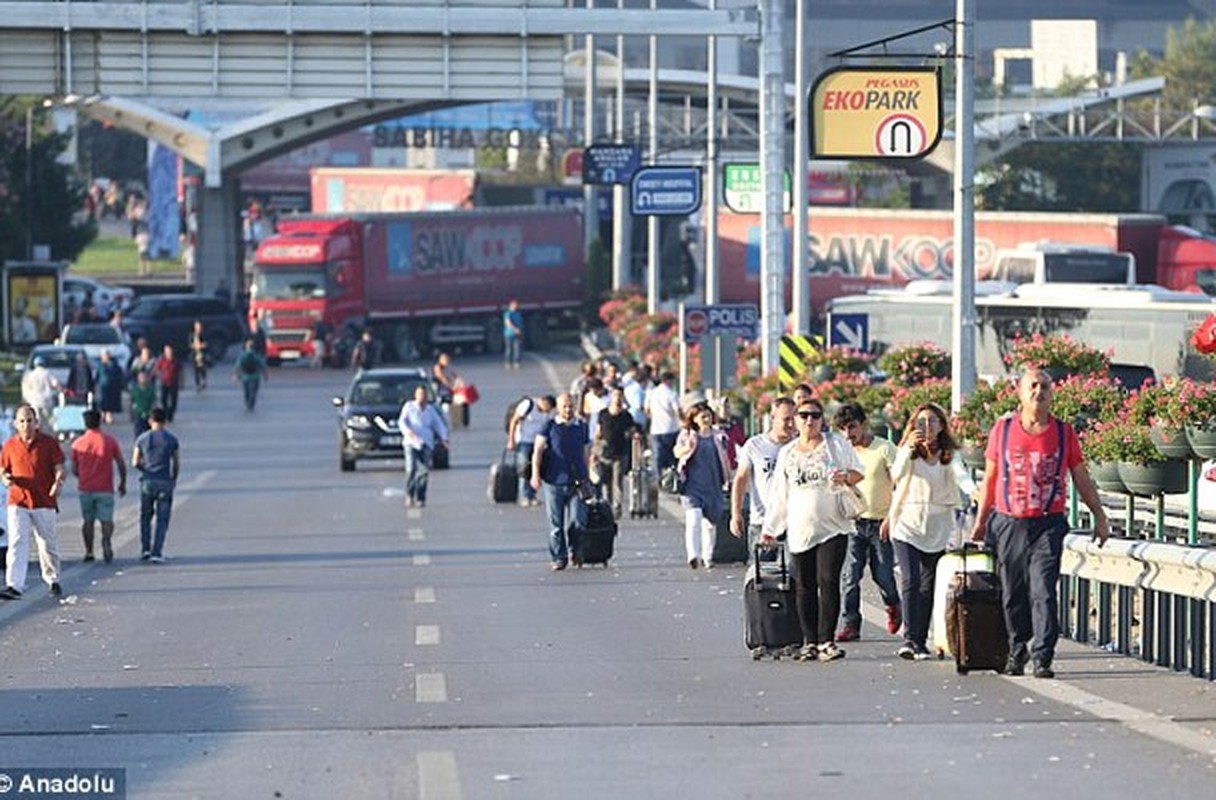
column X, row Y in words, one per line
column 770, row 617
column 975, row 619
column 440, row 457
column 643, row 486
column 592, row 533
column 504, row 479
column 728, row 548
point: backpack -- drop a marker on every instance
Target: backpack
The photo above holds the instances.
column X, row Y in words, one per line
column 249, row 364
column 511, row 411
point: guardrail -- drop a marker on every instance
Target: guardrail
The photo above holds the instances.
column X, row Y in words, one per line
column 1151, row 600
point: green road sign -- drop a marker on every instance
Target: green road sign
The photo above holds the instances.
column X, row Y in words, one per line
column 743, row 189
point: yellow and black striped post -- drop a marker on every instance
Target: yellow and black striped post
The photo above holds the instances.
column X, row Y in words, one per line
column 791, row 359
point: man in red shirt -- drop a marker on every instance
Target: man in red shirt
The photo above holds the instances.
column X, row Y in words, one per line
column 168, row 380
column 92, row 454
column 31, row 466
column 1022, row 508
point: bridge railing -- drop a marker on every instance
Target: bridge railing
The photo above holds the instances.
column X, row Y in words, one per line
column 1155, row 601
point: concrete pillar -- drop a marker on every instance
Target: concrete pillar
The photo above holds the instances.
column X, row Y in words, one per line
column 220, row 250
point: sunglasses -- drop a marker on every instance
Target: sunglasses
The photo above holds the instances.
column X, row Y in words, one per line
column 811, row 414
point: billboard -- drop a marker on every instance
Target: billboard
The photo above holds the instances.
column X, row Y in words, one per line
column 354, row 190
column 875, row 112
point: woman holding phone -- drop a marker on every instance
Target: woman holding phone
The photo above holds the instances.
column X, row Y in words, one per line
column 929, row 482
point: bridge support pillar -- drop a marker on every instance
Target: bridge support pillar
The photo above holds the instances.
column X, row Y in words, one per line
column 219, row 254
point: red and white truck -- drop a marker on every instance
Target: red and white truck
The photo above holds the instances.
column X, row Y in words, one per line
column 419, row 281
column 853, row 250
column 362, row 190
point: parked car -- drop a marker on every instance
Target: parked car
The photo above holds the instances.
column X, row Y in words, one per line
column 367, row 413
column 106, row 298
column 57, row 358
column 169, row 318
column 96, row 337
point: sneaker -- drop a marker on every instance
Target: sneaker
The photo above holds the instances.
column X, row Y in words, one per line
column 56, row 590
column 523, row 502
column 922, row 653
column 1044, row 671
column 830, row 652
column 907, row 651
column 557, row 566
column 808, row 652
column 693, row 563
column 157, row 559
column 848, row 633
column 1015, row 665
column 9, row 593
column 895, row 619
column 144, row 556
column 88, row 558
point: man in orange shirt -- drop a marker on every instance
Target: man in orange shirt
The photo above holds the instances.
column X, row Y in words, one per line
column 92, row 455
column 31, row 466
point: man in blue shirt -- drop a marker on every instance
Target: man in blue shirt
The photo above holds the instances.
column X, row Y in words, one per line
column 559, row 460
column 421, row 426
column 157, row 460
column 512, row 334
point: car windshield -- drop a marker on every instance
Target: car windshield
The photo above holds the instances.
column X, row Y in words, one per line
column 141, row 309
column 93, row 334
column 57, row 358
column 385, row 391
column 295, row 284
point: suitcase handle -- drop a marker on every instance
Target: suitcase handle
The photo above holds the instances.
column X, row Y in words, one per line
column 781, row 549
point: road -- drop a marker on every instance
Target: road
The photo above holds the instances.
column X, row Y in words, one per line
column 311, row 638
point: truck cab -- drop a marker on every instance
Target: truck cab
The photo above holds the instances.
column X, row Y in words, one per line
column 1046, row 262
column 306, row 282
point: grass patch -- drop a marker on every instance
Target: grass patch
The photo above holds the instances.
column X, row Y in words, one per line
column 116, row 255
column 10, row 379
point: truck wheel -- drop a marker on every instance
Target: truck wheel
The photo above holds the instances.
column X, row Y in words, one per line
column 405, row 342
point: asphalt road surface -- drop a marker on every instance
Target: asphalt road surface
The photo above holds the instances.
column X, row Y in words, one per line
column 312, row 638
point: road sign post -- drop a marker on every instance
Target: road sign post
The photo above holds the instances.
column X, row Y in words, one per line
column 665, row 191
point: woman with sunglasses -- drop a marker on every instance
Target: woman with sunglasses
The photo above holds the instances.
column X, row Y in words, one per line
column 810, row 470
column 703, row 461
column 928, row 482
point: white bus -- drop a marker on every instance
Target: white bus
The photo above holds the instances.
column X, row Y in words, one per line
column 1142, row 326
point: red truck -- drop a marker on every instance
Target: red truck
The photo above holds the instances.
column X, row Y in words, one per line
column 419, row 281
column 852, row 250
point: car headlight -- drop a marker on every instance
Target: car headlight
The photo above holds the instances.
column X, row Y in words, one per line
column 358, row 422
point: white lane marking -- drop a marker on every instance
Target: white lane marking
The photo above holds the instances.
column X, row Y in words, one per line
column 424, row 594
column 415, row 534
column 413, row 513
column 422, row 560
column 550, row 371
column 430, row 687
column 1143, row 722
column 438, row 777
column 425, row 635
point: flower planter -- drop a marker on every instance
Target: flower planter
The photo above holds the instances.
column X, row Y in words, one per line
column 1106, row 476
column 1171, row 443
column 1202, row 441
column 1150, row 480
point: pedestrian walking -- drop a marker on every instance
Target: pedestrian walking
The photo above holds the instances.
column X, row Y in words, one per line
column 143, row 398
column 704, row 467
column 1029, row 456
column 95, row 454
column 198, row 356
column 559, row 464
column 250, row 369
column 810, row 471
column 110, row 383
column 422, row 427
column 757, row 463
column 31, row 466
column 866, row 545
column 663, row 411
column 931, row 483
column 157, row 457
column 40, row 390
column 168, row 371
column 529, row 419
column 80, row 384
column 366, row 353
column 512, row 334
column 612, row 448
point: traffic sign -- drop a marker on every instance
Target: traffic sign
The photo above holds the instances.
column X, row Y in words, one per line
column 723, row 319
column 610, row 163
column 876, row 112
column 665, row 191
column 850, row 330
column 743, row 189
column 791, row 359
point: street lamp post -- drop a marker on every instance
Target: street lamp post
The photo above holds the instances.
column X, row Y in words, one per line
column 29, row 183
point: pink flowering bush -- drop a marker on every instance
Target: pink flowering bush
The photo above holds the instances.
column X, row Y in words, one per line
column 905, row 399
column 1057, row 352
column 1121, row 438
column 915, row 364
column 1082, row 400
column 1180, row 402
column 986, row 403
column 839, row 360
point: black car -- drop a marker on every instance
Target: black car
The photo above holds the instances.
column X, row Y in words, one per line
column 367, row 414
column 169, row 319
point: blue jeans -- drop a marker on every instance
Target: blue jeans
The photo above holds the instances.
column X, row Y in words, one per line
column 663, row 446
column 865, row 547
column 250, row 385
column 560, row 499
column 523, row 463
column 918, row 577
column 155, row 497
column 513, row 347
column 417, row 472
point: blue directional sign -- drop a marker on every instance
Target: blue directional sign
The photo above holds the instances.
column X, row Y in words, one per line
column 665, row 191
column 611, row 163
column 849, row 330
column 723, row 319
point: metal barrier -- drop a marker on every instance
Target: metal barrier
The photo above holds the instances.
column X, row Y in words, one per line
column 1152, row 600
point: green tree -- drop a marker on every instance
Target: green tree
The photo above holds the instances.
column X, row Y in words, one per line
column 1188, row 66
column 1054, row 176
column 55, row 194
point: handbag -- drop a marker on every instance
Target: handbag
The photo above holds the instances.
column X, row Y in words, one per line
column 850, row 502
